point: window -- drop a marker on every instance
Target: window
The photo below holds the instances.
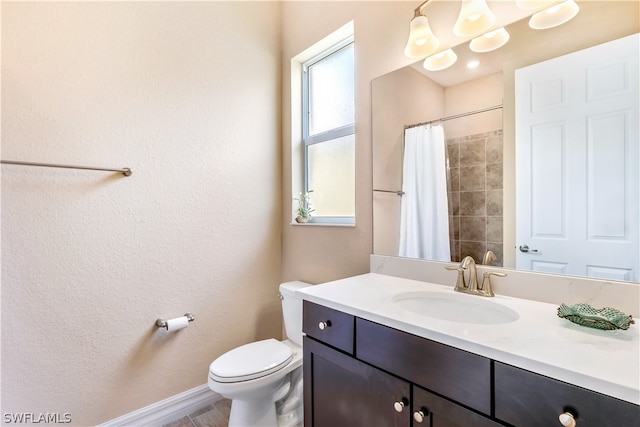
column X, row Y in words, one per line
column 328, row 133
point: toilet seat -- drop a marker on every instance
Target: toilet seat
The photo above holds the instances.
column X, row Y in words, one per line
column 251, row 361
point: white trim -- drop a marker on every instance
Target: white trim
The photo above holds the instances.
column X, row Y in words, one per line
column 168, row 410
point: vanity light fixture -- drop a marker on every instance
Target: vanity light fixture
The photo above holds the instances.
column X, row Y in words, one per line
column 490, row 41
column 475, row 17
column 440, row 61
column 422, row 42
column 554, row 16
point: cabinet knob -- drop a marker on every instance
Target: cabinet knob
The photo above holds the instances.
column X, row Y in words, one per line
column 400, row 404
column 418, row 416
column 324, row 325
column 567, row 420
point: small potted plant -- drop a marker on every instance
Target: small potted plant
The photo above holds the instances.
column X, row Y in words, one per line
column 304, row 207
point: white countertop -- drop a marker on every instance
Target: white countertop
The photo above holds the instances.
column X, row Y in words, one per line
column 607, row 362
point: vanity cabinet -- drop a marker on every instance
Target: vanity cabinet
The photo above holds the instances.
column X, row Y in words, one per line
column 360, row 373
column 377, row 378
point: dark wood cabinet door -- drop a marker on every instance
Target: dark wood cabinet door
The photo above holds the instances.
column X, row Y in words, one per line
column 340, row 391
column 436, row 411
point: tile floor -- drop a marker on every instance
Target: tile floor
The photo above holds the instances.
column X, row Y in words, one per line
column 215, row 415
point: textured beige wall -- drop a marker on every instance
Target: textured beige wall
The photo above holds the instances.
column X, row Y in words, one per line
column 187, row 95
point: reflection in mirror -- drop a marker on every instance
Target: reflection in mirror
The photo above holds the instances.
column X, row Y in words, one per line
column 481, row 148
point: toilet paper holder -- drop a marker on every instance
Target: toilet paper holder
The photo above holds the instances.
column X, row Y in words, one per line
column 162, row 323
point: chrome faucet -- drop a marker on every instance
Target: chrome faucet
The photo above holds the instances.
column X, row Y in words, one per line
column 485, row 289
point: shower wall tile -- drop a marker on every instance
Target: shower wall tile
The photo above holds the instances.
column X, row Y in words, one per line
column 494, row 149
column 472, row 153
column 455, row 251
column 454, row 203
column 472, row 178
column 454, row 179
column 494, row 176
column 453, row 152
column 494, row 202
column 494, row 229
column 473, row 228
column 472, row 203
column 475, row 196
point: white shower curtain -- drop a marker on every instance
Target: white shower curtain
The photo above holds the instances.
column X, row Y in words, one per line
column 424, row 221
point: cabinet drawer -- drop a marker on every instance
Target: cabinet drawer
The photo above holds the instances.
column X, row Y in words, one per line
column 330, row 326
column 439, row 412
column 453, row 373
column 526, row 399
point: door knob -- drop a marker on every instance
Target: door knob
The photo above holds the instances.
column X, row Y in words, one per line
column 525, row 249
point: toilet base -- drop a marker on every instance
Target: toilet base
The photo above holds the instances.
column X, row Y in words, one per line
column 260, row 409
column 260, row 412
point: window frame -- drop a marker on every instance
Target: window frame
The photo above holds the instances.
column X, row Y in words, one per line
column 329, row 135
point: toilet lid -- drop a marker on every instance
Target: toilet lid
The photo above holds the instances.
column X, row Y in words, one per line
column 250, row 361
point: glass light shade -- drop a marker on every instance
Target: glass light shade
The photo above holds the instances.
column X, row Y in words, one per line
column 534, row 4
column 490, row 41
column 422, row 42
column 475, row 17
column 440, row 61
column 554, row 16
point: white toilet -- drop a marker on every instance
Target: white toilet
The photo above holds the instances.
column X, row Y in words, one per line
column 263, row 379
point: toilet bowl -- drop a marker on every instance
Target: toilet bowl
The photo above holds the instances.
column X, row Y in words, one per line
column 263, row 378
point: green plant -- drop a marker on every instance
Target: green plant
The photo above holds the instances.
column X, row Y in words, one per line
column 304, row 205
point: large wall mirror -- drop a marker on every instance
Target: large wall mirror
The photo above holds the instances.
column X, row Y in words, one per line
column 486, row 152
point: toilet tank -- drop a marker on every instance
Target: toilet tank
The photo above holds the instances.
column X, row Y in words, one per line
column 292, row 309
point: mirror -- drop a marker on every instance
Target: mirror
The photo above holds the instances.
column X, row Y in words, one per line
column 412, row 95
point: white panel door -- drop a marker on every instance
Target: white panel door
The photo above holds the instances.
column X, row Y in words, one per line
column 577, row 161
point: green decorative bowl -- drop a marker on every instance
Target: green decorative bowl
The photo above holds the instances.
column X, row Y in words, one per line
column 604, row 318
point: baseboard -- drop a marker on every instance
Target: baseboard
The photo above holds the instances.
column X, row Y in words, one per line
column 167, row 410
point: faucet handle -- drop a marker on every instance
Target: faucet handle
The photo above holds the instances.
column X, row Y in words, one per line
column 486, row 289
column 461, row 283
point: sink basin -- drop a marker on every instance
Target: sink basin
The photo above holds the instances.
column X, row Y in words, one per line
column 455, row 307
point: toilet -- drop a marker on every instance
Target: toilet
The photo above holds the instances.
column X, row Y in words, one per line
column 263, row 379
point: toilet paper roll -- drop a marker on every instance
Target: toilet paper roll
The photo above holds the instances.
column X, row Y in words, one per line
column 177, row 323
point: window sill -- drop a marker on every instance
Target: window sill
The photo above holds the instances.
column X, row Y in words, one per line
column 321, row 224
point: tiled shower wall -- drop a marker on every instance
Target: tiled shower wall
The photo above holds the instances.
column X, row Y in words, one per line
column 475, row 196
